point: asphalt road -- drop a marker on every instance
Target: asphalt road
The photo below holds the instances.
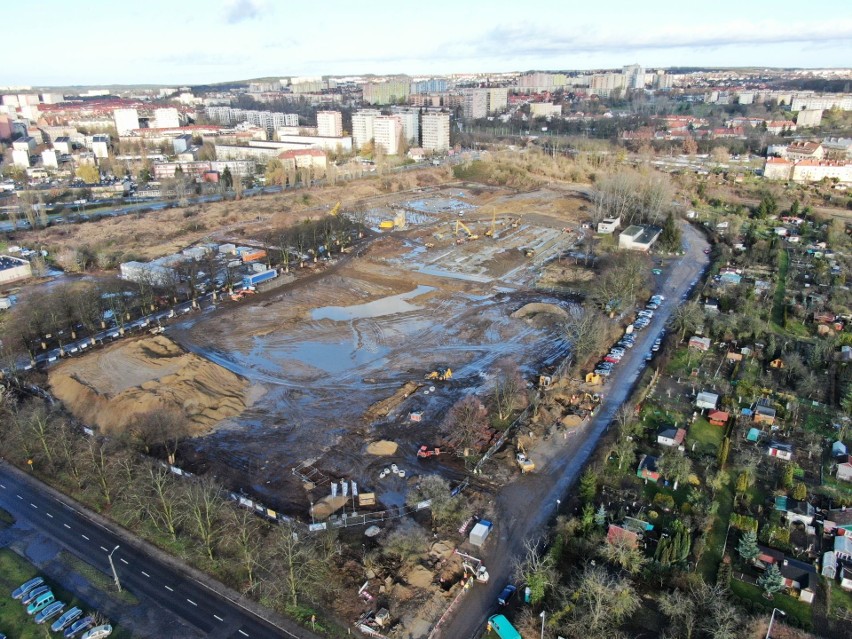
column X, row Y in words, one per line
column 150, row 580
column 525, row 506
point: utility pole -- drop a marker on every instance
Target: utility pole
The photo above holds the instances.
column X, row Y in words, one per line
column 112, row 565
column 772, row 619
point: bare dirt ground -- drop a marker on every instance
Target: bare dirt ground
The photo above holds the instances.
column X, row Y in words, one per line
column 321, row 355
column 110, row 387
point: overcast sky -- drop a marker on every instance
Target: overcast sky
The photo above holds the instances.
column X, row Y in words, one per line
column 60, row 42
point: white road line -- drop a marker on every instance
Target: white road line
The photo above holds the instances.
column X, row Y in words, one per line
column 19, row 497
column 192, row 602
column 146, row 574
column 3, row 486
column 245, row 634
column 123, row 561
column 218, row 617
column 84, row 537
column 67, row 526
column 49, row 515
column 33, row 505
column 104, row 549
column 169, row 589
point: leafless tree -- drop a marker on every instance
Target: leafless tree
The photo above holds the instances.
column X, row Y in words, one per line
column 204, row 504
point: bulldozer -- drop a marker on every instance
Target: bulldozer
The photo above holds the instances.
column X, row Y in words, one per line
column 425, row 452
column 440, row 374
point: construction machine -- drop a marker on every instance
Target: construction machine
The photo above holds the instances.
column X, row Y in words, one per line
column 524, row 463
column 425, row 452
column 490, row 232
column 473, row 567
column 470, row 234
column 335, row 210
column 440, row 374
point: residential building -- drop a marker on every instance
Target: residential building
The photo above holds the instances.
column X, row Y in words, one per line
column 706, row 400
column 606, row 83
column 498, row 99
column 804, row 150
column 608, row 225
column 540, row 82
column 435, row 131
column 341, row 143
column 670, row 436
column 817, row 170
column 329, row 124
column 387, row 130
column 21, row 158
column 844, row 468
column 305, row 158
column 126, row 120
column 63, row 145
column 634, row 76
column 809, row 118
column 842, row 101
column 779, row 126
column 100, row 146
column 475, row 105
column 545, row 110
column 410, row 119
column 52, row 98
column 833, row 148
column 167, row 118
column 433, row 85
column 362, row 126
column 181, row 143
column 49, row 159
column 387, row 92
column 777, row 169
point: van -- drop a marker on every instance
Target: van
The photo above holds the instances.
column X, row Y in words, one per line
column 41, row 602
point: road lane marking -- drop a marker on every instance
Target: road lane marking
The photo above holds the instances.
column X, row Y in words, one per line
column 3, row 486
column 19, row 497
column 104, row 549
column 67, row 526
column 84, row 537
column 218, row 617
column 245, row 634
column 169, row 589
column 33, row 505
column 192, row 602
column 146, row 574
column 123, row 561
column 49, row 515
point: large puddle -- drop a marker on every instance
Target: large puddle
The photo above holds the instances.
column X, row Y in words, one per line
column 332, row 358
column 377, row 308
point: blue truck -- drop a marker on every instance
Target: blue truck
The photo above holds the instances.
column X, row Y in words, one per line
column 250, row 281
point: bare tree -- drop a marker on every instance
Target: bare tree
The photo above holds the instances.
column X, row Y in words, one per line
column 164, row 505
column 245, row 535
column 537, row 569
column 204, row 507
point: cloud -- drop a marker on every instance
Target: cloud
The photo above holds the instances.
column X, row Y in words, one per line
column 241, row 10
column 532, row 40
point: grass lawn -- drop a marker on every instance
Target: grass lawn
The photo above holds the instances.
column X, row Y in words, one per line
column 706, row 437
column 683, row 361
column 793, row 607
column 778, row 313
column 98, row 579
column 14, row 620
column 709, row 564
column 840, row 600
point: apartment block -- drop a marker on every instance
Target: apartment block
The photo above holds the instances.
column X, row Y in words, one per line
column 362, row 126
column 388, row 92
column 126, row 120
column 387, row 129
column 475, row 104
column 167, row 118
column 410, row 119
column 436, row 131
column 329, row 124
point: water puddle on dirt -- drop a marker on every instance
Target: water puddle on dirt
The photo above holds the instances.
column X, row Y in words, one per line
column 332, row 357
column 377, row 308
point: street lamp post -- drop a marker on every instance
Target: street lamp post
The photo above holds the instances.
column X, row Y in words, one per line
column 542, row 624
column 772, row 619
column 112, row 565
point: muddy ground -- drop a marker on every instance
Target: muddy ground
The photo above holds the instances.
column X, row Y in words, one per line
column 318, row 355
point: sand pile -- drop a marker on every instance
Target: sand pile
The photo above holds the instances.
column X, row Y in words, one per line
column 383, row 447
column 537, row 308
column 110, row 388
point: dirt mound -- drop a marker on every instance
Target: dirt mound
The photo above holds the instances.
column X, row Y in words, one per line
column 537, row 308
column 383, row 447
column 328, row 505
column 419, row 577
column 384, row 407
column 110, row 388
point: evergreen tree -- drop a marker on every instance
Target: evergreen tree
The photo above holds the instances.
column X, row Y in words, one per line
column 588, row 517
column 787, row 476
column 600, row 517
column 227, row 178
column 747, row 548
column 800, row 491
column 588, row 485
column 724, row 450
column 670, row 238
column 723, row 577
column 771, row 580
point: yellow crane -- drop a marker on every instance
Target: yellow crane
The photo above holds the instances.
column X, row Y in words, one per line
column 470, row 234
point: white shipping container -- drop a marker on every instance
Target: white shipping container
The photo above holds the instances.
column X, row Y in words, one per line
column 479, row 533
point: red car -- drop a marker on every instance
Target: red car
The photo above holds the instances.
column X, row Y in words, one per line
column 611, row 359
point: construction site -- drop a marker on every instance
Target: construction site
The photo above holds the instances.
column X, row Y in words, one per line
column 352, row 371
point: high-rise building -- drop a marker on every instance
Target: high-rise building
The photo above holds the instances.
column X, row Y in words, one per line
column 498, row 99
column 433, row 85
column 388, row 92
column 475, row 104
column 387, row 130
column 634, row 76
column 436, row 131
column 362, row 126
column 167, row 118
column 410, row 119
column 126, row 120
column 329, row 124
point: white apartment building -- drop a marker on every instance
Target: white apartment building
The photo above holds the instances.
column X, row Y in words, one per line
column 545, row 110
column 126, row 120
column 410, row 119
column 100, row 146
column 329, row 124
column 49, row 159
column 362, row 126
column 436, row 131
column 387, row 130
column 167, row 118
column 498, row 99
column 475, row 104
column 21, row 158
column 634, row 76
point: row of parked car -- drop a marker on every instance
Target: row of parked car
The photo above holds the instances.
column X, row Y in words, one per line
column 41, row 604
column 616, row 353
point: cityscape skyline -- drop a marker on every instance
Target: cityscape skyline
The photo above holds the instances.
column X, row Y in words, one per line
column 226, row 40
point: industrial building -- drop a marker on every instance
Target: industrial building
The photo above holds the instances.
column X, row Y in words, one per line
column 13, row 269
column 639, row 237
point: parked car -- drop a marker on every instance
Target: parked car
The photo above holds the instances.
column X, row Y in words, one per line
column 506, row 595
column 67, row 618
column 41, row 602
column 79, row 626
column 25, row 587
column 49, row 612
column 99, row 632
column 33, row 594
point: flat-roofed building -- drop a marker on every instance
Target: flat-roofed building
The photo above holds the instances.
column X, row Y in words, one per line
column 13, row 269
column 639, row 237
column 126, row 120
column 330, row 124
column 436, row 131
column 387, row 131
column 362, row 126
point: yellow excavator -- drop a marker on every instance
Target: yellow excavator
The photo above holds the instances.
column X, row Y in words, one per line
column 335, row 210
column 440, row 374
column 490, row 232
column 470, row 234
column 524, row 463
